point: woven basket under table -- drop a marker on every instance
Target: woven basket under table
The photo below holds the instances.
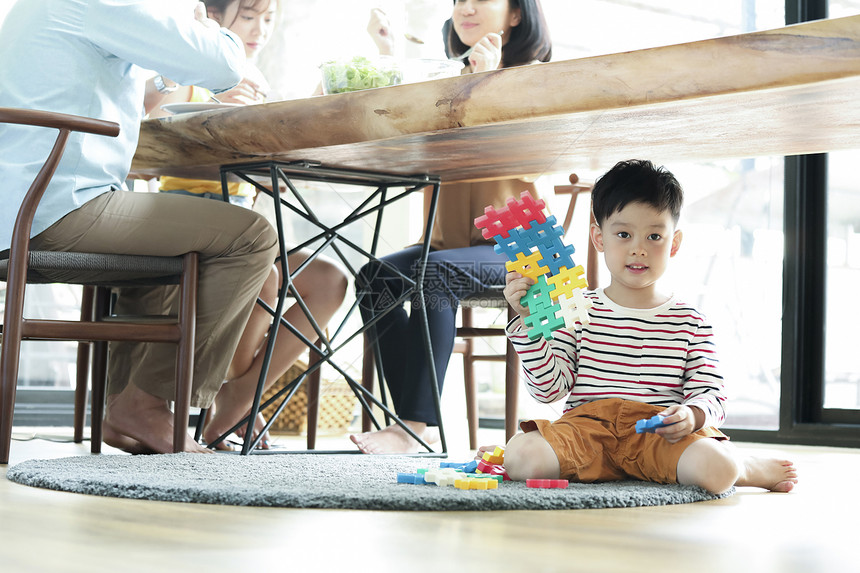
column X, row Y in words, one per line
column 336, row 408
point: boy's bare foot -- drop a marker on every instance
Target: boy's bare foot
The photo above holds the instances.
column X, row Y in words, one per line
column 143, row 423
column 395, row 440
column 770, row 473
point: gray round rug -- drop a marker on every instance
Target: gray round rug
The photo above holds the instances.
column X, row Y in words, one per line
column 319, row 481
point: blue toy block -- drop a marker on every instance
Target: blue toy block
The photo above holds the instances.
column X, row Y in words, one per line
column 650, row 424
column 556, row 255
column 416, row 478
column 454, row 465
column 515, row 242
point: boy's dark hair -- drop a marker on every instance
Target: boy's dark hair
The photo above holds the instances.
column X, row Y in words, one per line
column 636, row 181
column 529, row 42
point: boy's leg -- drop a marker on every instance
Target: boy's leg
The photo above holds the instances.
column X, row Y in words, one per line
column 718, row 465
column 529, row 456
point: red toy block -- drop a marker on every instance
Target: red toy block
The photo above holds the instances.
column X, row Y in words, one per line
column 547, row 483
column 494, row 222
column 527, row 210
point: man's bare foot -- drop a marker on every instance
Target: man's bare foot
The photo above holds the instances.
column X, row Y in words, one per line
column 114, row 438
column 770, row 473
column 395, row 440
column 143, row 422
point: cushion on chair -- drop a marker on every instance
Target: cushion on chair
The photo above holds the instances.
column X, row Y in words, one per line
column 98, row 268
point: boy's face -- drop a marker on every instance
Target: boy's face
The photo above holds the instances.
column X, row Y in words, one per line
column 637, row 243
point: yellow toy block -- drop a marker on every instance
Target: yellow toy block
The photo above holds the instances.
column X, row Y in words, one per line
column 528, row 265
column 493, row 458
column 566, row 281
column 476, row 483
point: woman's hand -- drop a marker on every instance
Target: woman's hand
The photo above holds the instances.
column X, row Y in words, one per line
column 246, row 92
column 487, row 54
column 516, row 286
column 684, row 421
column 201, row 16
column 252, row 89
column 379, row 29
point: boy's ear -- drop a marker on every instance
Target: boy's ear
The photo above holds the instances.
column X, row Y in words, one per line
column 596, row 237
column 676, row 242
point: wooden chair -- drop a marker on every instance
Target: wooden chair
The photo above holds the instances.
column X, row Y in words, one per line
column 467, row 332
column 99, row 272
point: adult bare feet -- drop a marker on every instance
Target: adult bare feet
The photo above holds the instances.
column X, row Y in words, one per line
column 395, row 440
column 770, row 473
column 231, row 405
column 259, row 424
column 112, row 437
column 138, row 418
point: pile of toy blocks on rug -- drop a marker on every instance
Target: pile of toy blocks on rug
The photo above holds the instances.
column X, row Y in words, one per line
column 535, row 248
column 484, row 474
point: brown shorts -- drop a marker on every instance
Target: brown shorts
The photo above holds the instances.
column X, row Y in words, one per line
column 598, row 442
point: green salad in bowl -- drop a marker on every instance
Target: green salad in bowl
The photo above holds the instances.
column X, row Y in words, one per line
column 360, row 73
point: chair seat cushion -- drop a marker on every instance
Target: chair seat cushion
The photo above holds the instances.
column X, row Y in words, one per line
column 98, row 269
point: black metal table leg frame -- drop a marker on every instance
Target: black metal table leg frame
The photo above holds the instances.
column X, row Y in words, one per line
column 286, row 282
column 276, row 172
column 431, row 217
column 358, row 390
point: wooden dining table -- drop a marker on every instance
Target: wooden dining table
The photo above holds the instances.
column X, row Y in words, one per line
column 787, row 91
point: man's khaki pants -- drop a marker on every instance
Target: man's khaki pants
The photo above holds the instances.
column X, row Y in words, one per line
column 237, row 248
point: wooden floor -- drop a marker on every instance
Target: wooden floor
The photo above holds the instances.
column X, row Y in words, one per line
column 813, row 529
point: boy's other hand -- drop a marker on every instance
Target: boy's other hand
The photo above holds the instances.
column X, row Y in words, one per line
column 479, row 455
column 516, row 287
column 683, row 423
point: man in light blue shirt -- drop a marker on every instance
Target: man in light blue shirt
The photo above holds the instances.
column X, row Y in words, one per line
column 90, row 58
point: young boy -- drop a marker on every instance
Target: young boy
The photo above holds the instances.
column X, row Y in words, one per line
column 642, row 353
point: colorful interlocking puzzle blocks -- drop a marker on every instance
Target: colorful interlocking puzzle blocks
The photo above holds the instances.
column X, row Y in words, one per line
column 533, row 244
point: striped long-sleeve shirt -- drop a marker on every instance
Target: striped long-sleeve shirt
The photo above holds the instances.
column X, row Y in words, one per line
column 660, row 356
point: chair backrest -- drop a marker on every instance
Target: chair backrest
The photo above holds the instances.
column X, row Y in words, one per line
column 65, row 123
column 574, row 189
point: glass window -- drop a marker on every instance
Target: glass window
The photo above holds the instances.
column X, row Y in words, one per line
column 842, row 372
column 730, row 267
column 840, row 8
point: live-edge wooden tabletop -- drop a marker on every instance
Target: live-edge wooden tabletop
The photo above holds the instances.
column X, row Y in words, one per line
column 786, row 91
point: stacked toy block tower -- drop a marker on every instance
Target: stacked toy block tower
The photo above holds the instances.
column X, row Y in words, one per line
column 533, row 243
